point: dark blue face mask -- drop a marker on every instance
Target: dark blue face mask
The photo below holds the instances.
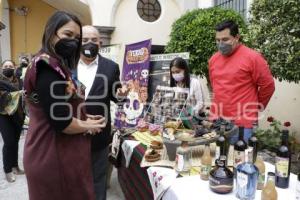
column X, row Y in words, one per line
column 66, row 47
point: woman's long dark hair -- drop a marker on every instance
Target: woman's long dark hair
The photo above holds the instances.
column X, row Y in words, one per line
column 181, row 64
column 56, row 21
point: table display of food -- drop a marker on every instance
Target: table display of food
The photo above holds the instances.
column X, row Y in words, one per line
column 172, row 138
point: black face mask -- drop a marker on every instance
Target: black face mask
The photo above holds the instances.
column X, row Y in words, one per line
column 66, row 48
column 90, row 50
column 8, row 72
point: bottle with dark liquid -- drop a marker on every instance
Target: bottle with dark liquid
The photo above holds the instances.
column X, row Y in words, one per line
column 220, row 177
column 239, row 149
column 221, row 143
column 283, row 162
column 252, row 144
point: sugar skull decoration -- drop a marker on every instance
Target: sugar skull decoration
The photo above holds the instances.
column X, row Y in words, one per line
column 145, row 73
column 133, row 108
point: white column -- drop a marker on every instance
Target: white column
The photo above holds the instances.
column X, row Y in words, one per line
column 5, row 36
column 249, row 3
column 101, row 11
column 205, row 3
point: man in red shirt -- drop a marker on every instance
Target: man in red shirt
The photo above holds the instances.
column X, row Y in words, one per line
column 240, row 78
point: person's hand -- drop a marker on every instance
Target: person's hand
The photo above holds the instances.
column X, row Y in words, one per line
column 123, row 91
column 95, row 126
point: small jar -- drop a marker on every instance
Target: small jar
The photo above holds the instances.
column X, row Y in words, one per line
column 220, row 177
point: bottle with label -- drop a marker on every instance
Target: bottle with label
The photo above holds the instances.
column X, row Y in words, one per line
column 259, row 163
column 246, row 180
column 239, row 149
column 283, row 162
column 252, row 144
column 298, row 188
column 221, row 178
column 183, row 158
column 221, row 143
column 269, row 192
column 230, row 156
column 205, row 163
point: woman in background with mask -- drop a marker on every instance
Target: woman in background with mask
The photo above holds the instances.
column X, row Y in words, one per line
column 11, row 119
column 57, row 147
column 180, row 77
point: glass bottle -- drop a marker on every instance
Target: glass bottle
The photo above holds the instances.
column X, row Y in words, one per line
column 220, row 177
column 259, row 163
column 221, row 143
column 252, row 144
column 269, row 192
column 298, row 188
column 283, row 162
column 205, row 163
column 183, row 158
column 239, row 149
column 246, row 180
column 230, row 155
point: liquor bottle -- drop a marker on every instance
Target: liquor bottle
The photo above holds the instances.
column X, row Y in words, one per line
column 259, row 163
column 246, row 180
column 283, row 162
column 252, row 144
column 183, row 158
column 230, row 155
column 205, row 163
column 269, row 192
column 220, row 177
column 221, row 143
column 239, row 149
column 298, row 188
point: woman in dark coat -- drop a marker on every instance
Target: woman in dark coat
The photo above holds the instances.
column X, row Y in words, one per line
column 57, row 146
column 11, row 119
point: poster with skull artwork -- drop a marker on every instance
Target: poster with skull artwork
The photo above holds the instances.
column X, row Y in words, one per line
column 135, row 75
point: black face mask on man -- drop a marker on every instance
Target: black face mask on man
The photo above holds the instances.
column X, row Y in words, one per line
column 66, row 48
column 8, row 72
column 90, row 50
column 224, row 48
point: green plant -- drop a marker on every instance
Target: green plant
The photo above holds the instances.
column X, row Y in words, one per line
column 274, row 30
column 271, row 138
column 194, row 32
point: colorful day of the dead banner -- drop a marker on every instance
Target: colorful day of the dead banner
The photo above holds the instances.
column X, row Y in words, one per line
column 135, row 76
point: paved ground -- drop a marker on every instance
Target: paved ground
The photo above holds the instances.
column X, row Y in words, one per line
column 18, row 189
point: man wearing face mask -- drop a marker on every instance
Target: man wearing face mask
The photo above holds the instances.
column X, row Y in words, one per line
column 101, row 78
column 241, row 80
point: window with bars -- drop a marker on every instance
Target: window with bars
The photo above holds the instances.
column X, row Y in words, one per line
column 149, row 10
column 239, row 6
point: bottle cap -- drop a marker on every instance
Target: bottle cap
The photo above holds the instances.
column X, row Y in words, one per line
column 271, row 174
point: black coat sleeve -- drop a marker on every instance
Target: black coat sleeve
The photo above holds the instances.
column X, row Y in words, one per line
column 57, row 114
column 116, row 84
